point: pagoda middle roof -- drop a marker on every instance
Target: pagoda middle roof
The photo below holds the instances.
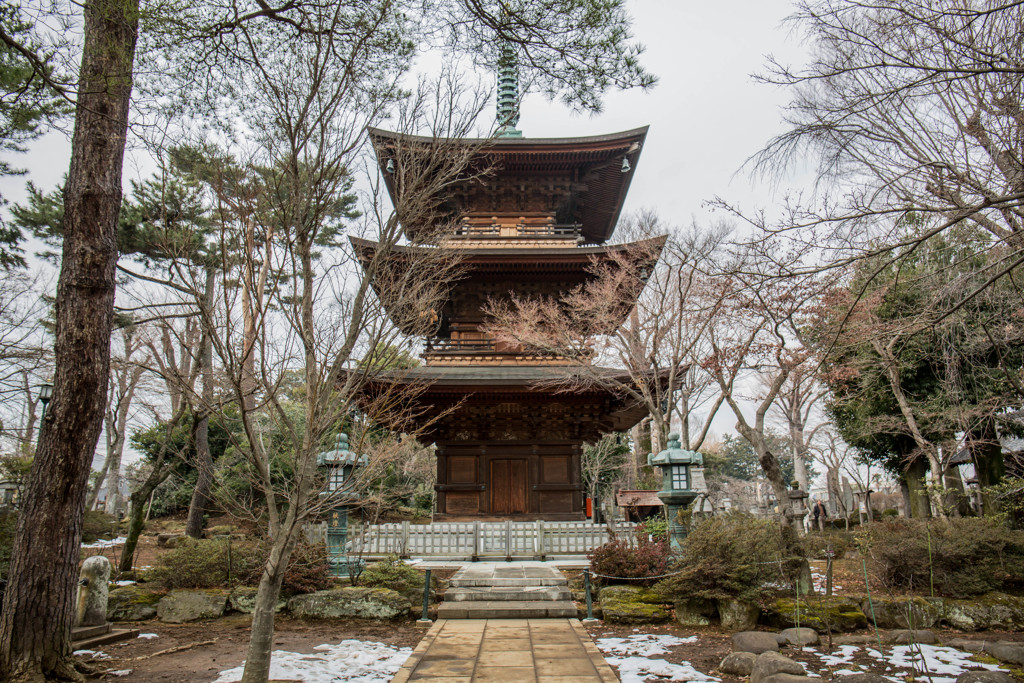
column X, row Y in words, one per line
column 594, row 162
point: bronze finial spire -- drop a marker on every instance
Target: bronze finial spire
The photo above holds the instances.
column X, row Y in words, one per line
column 508, row 92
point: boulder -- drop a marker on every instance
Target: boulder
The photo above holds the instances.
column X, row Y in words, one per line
column 738, row 615
column 908, row 637
column 984, row 677
column 243, row 599
column 854, row 639
column 169, row 540
column 772, row 663
column 787, row 678
column 738, row 663
column 131, row 603
column 834, row 614
column 696, row 612
column 754, row 641
column 908, row 613
column 632, row 605
column 361, row 603
column 93, row 592
column 1012, row 653
column 965, row 644
column 994, row 611
column 861, row 678
column 181, row 606
column 800, row 636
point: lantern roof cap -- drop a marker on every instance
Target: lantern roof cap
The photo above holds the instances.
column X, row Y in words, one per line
column 340, row 455
column 675, row 454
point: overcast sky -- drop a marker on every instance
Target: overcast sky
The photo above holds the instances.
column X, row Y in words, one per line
column 706, row 114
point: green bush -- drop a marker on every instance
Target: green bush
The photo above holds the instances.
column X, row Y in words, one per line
column 308, row 570
column 395, row 574
column 969, row 555
column 207, row 563
column 620, row 561
column 816, row 544
column 656, row 527
column 97, row 524
column 738, row 556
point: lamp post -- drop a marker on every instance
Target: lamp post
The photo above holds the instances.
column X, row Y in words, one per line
column 340, row 464
column 45, row 394
column 682, row 475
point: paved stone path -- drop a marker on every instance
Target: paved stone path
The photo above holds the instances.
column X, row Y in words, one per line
column 507, row 651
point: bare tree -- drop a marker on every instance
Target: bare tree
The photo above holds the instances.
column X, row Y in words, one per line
column 797, row 401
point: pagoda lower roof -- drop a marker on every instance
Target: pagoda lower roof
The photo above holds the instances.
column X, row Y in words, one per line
column 502, row 377
column 593, row 162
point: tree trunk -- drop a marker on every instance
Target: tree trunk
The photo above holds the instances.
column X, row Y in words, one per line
column 35, row 626
column 201, row 435
column 261, row 634
column 987, row 453
column 915, row 475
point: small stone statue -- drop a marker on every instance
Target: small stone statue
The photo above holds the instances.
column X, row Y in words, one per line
column 93, row 591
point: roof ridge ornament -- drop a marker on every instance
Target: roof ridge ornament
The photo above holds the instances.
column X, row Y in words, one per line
column 508, row 92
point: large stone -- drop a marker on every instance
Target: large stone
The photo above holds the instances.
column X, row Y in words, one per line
column 984, row 677
column 360, row 603
column 738, row 615
column 835, row 614
column 908, row 637
column 696, row 612
column 738, row 663
column 632, row 605
column 181, row 606
column 93, row 591
column 909, row 613
column 754, row 641
column 800, row 636
column 787, row 678
column 1012, row 653
column 132, row 603
column 243, row 599
column 861, row 678
column 854, row 639
column 965, row 644
column 994, row 611
column 772, row 663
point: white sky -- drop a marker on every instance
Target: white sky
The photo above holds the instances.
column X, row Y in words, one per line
column 706, row 114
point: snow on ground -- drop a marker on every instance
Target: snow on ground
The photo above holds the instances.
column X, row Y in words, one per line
column 95, row 654
column 940, row 664
column 819, row 582
column 125, row 582
column 350, row 660
column 120, row 540
column 147, row 636
column 635, row 665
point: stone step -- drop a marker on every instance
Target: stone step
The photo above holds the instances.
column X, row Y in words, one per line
column 524, row 609
column 509, row 594
column 113, row 636
column 495, row 582
column 86, row 632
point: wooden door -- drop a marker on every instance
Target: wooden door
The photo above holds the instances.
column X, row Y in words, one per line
column 509, row 486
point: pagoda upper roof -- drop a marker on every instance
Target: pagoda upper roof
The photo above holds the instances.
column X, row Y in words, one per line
column 593, row 163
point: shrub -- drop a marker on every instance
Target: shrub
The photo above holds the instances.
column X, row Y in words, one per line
column 738, row 556
column 395, row 574
column 206, row 563
column 657, row 528
column 816, row 544
column 619, row 560
column 969, row 556
column 308, row 570
column 97, row 524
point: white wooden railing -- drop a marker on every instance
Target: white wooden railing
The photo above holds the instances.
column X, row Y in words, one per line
column 471, row 540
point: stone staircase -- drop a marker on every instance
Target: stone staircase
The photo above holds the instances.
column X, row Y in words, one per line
column 507, row 590
column 89, row 637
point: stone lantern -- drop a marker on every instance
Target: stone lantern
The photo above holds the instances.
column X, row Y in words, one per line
column 682, row 480
column 797, row 507
column 340, row 464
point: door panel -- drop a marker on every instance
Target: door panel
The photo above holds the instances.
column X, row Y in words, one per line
column 509, row 486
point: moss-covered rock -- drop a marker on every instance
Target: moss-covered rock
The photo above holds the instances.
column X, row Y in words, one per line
column 904, row 613
column 994, row 611
column 181, row 606
column 738, row 615
column 828, row 614
column 696, row 612
column 243, row 599
column 633, row 605
column 360, row 603
column 132, row 603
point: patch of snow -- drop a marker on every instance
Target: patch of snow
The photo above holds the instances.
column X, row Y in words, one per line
column 819, row 581
column 642, row 644
column 120, row 540
column 96, row 654
column 846, row 672
column 125, row 582
column 844, row 655
column 120, row 672
column 946, row 662
column 149, row 635
column 639, row 669
column 350, row 660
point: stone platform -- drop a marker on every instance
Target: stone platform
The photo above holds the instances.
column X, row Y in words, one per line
column 504, row 590
column 507, row 651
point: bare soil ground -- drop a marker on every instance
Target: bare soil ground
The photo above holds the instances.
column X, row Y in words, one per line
column 219, row 645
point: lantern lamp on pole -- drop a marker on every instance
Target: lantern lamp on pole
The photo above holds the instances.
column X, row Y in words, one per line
column 682, row 479
column 340, row 463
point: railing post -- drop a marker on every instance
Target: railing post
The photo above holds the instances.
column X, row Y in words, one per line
column 405, row 539
column 476, row 541
column 425, row 619
column 508, row 540
column 540, row 540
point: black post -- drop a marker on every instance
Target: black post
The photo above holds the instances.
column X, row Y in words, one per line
column 426, row 599
column 590, row 601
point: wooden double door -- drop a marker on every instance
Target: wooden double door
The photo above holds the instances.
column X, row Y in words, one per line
column 509, row 486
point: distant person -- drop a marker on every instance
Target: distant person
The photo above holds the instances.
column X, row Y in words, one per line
column 820, row 514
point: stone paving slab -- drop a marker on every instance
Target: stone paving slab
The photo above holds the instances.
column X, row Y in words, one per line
column 508, row 575
column 506, row 651
column 506, row 609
